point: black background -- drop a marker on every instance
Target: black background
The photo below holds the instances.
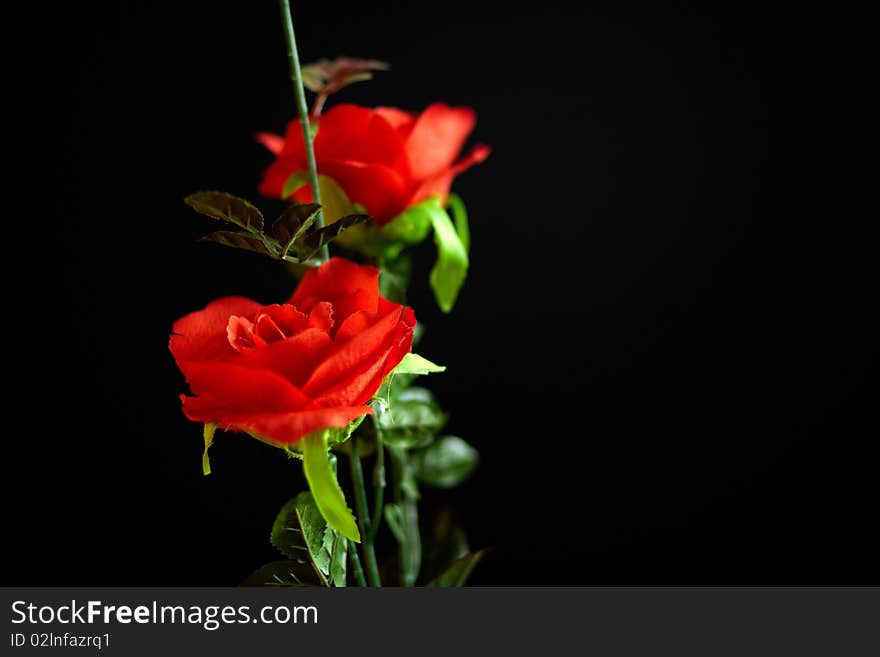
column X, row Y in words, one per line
column 664, row 351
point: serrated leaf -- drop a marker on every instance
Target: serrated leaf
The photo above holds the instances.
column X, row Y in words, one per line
column 210, row 428
column 312, row 241
column 326, row 492
column 283, row 573
column 445, row 463
column 459, row 216
column 239, row 240
column 414, row 364
column 338, row 559
column 412, row 420
column 327, row 76
column 459, row 571
column 296, row 219
column 226, row 207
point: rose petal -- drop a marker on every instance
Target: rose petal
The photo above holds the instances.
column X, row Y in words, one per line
column 437, row 138
column 439, row 185
column 223, row 388
column 348, row 286
column 321, row 316
column 271, row 141
column 287, row 428
column 349, row 132
column 201, row 335
column 353, row 371
column 294, row 358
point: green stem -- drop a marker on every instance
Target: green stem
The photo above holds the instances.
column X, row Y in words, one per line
column 360, row 500
column 302, row 110
column 378, row 487
column 356, row 564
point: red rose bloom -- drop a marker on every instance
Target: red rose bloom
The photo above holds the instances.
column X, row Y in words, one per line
column 282, row 371
column 384, row 158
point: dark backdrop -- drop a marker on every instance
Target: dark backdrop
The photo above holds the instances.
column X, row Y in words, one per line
column 664, row 350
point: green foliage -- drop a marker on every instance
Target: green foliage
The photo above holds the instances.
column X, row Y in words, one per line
column 226, row 207
column 445, row 463
column 412, row 420
column 210, row 428
column 415, row 364
column 283, row 573
column 327, row 494
column 459, row 216
column 451, row 267
column 301, row 533
column 459, row 571
column 327, row 76
column 295, row 237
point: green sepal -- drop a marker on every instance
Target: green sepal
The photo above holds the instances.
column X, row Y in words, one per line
column 210, row 428
column 414, row 364
column 459, row 571
column 226, row 207
column 445, row 463
column 450, row 270
column 459, row 216
column 326, row 491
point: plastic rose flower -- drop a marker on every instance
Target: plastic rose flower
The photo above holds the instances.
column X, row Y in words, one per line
column 281, row 371
column 384, row 159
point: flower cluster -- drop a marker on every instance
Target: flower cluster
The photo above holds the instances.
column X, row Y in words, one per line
column 303, row 375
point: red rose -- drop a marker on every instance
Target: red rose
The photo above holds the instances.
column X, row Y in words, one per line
column 282, row 371
column 384, row 158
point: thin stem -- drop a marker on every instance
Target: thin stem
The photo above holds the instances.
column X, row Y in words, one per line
column 360, row 500
column 378, row 487
column 356, row 563
column 299, row 92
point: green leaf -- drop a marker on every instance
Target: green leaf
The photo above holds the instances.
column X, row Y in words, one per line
column 413, row 419
column 415, row 364
column 338, row 558
column 210, row 428
column 458, row 573
column 283, row 573
column 226, row 207
column 445, row 463
column 394, row 279
column 325, row 488
column 293, row 223
column 445, row 541
column 334, row 201
column 313, row 240
column 451, row 267
column 238, row 240
column 459, row 216
column 327, row 76
column 394, row 518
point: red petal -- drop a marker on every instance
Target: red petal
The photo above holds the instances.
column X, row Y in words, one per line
column 356, row 323
column 437, row 138
column 348, row 286
column 439, row 185
column 276, row 175
column 401, row 121
column 287, row 428
column 353, row 373
column 321, row 316
column 349, row 132
column 224, row 388
column 294, row 358
column 273, row 142
column 382, row 190
column 201, row 335
column 288, row 319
